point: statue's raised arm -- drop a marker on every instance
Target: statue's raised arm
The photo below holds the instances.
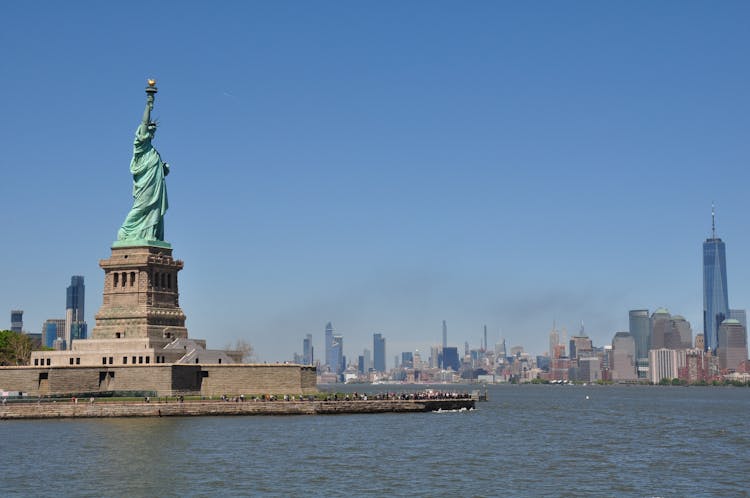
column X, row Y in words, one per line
column 147, row 112
column 144, row 224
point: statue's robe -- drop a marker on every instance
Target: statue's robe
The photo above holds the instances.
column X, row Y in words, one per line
column 145, row 221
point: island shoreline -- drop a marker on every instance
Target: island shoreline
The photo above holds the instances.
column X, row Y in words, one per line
column 58, row 410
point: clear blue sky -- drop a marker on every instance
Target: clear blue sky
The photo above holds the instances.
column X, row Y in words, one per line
column 384, row 165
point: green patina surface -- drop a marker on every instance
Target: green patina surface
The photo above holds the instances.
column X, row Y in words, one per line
column 141, row 243
column 144, row 224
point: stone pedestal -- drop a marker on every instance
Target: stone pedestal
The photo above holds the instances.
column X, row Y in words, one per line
column 141, row 296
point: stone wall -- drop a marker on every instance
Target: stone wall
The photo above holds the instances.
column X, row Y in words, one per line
column 100, row 409
column 19, row 379
column 162, row 379
column 259, row 379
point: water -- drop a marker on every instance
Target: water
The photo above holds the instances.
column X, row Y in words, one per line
column 526, row 441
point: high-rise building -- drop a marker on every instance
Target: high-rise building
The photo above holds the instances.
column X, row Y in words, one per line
column 76, row 297
column 52, row 329
column 623, row 357
column 740, row 316
column 681, row 335
column 434, row 355
column 75, row 321
column 605, row 356
column 329, row 345
column 559, row 351
column 554, row 340
column 16, row 321
column 732, row 348
column 337, row 354
column 407, row 359
column 661, row 325
column 78, row 330
column 543, row 363
column 694, row 368
column 699, row 342
column 445, row 335
column 640, row 330
column 715, row 295
column 501, row 351
column 580, row 346
column 368, row 360
column 378, row 348
column 307, row 350
column 662, row 365
column 449, row 357
column 589, row 369
column 559, row 364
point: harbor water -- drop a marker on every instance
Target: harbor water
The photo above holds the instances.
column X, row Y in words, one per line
column 525, row 441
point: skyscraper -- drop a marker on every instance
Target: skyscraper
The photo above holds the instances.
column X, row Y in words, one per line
column 715, row 296
column 662, row 365
column 740, row 316
column 699, row 342
column 554, row 340
column 681, row 335
column 52, row 329
column 76, row 297
column 16, row 321
column 329, row 344
column 368, row 360
column 501, row 351
column 450, row 359
column 407, row 359
column 434, row 356
column 307, row 350
column 732, row 348
column 378, row 348
column 661, row 325
column 640, row 330
column 75, row 321
column 580, row 346
column 337, row 354
column 445, row 335
column 623, row 357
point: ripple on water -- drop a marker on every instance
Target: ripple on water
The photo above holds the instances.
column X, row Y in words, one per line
column 525, row 441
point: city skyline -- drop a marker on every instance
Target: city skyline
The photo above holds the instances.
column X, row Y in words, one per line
column 388, row 167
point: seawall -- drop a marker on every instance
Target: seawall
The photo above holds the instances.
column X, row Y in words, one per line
column 170, row 379
column 83, row 409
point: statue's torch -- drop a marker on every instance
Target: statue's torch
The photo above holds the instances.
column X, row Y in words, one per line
column 151, row 89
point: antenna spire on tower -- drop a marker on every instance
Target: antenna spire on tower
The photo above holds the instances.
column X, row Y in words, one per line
column 713, row 222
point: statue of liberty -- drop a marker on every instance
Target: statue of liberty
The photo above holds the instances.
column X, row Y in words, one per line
column 145, row 221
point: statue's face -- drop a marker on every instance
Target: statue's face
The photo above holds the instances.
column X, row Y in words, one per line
column 152, row 130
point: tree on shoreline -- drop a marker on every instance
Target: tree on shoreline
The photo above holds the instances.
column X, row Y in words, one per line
column 247, row 350
column 15, row 348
